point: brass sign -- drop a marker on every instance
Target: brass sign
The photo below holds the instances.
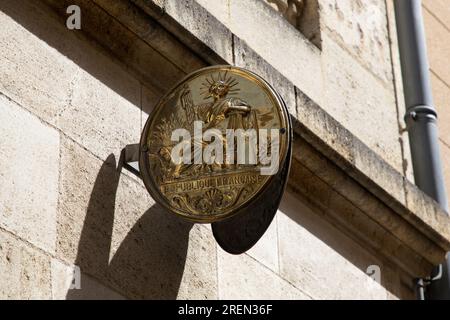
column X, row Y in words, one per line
column 214, row 143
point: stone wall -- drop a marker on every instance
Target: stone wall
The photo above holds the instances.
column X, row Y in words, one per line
column 303, row 15
column 68, row 106
column 437, row 26
column 351, row 75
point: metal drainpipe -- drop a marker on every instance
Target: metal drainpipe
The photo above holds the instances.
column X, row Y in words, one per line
column 421, row 119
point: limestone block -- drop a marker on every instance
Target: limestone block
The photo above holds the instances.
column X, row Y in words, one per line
column 241, row 277
column 68, row 284
column 438, row 45
column 29, row 157
column 361, row 28
column 321, row 262
column 350, row 147
column 429, row 213
column 440, row 9
column 199, row 280
column 303, row 15
column 441, row 95
column 32, row 72
column 67, row 80
column 360, row 103
column 102, row 117
column 398, row 82
column 152, row 33
column 445, row 155
column 202, row 25
column 150, row 98
column 266, row 249
column 112, row 36
column 25, row 271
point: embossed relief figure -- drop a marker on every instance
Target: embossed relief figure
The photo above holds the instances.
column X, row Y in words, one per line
column 292, row 10
column 223, row 113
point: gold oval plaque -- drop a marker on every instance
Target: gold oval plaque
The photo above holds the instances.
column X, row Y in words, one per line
column 213, row 143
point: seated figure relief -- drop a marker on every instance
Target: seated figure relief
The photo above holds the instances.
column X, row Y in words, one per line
column 304, row 15
column 292, row 10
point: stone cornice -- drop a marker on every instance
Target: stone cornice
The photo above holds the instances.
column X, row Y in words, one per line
column 363, row 195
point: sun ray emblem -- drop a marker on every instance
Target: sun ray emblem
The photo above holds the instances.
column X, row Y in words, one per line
column 219, row 87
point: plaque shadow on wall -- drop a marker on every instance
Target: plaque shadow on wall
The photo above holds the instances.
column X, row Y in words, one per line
column 148, row 263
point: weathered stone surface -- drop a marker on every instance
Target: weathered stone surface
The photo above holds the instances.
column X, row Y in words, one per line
column 74, row 85
column 110, row 227
column 441, row 95
column 438, row 45
column 29, row 157
column 25, row 271
column 377, row 173
column 241, row 277
column 150, row 97
column 199, row 280
column 384, row 177
column 357, row 155
column 78, row 174
column 303, row 15
column 245, row 57
column 321, row 261
column 429, row 213
column 440, row 9
column 152, row 33
column 102, row 107
column 141, row 60
column 32, row 72
column 359, row 101
column 361, row 28
column 369, row 223
column 64, row 285
column 100, row 118
column 436, row 14
column 266, row 249
column 445, row 155
column 193, row 18
column 398, row 83
column 186, row 19
column 335, row 189
column 260, row 27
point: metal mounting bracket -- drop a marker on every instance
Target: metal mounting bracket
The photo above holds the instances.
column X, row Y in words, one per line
column 130, row 159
